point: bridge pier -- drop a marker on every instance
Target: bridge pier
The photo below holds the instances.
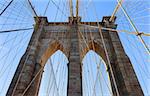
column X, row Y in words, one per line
column 74, row 66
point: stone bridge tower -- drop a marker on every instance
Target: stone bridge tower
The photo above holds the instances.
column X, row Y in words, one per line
column 48, row 37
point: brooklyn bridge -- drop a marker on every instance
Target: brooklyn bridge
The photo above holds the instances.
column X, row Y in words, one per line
column 74, row 48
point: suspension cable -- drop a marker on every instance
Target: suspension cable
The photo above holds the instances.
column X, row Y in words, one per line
column 32, row 8
column 77, row 8
column 27, row 57
column 6, row 7
column 71, row 8
column 8, row 31
column 115, row 11
column 57, row 6
column 41, row 69
column 93, row 47
column 114, row 30
column 105, row 49
column 46, row 8
column 134, row 27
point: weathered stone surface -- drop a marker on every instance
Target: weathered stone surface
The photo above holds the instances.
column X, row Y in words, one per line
column 66, row 36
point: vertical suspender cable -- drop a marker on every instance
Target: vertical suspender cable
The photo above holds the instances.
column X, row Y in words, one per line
column 107, row 56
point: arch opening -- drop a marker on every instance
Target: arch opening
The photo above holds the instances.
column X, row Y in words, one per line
column 49, row 51
column 55, row 76
column 95, row 76
column 96, row 47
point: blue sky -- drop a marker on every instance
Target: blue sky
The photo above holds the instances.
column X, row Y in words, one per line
column 20, row 15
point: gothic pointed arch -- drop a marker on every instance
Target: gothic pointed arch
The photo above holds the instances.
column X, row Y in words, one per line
column 49, row 49
column 55, row 75
column 93, row 45
column 95, row 70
